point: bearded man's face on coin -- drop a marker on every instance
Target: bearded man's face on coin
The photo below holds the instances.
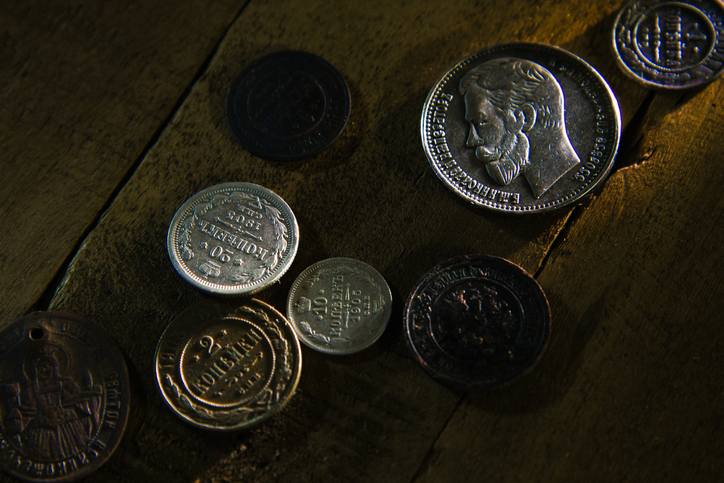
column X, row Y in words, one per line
column 515, row 111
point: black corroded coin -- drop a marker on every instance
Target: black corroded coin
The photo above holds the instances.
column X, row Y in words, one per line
column 65, row 397
column 287, row 106
column 477, row 320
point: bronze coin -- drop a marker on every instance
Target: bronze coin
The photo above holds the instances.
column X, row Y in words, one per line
column 65, row 397
column 228, row 366
column 477, row 320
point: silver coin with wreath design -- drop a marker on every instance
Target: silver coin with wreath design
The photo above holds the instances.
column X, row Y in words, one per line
column 233, row 238
column 228, row 367
column 339, row 305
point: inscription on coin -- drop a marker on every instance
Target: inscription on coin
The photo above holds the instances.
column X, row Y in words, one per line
column 477, row 320
column 233, row 238
column 670, row 45
column 287, row 106
column 65, row 397
column 339, row 305
column 521, row 128
column 226, row 366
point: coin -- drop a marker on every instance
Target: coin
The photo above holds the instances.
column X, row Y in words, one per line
column 521, row 128
column 233, row 239
column 476, row 321
column 339, row 305
column 670, row 45
column 65, row 397
column 228, row 366
column 287, row 106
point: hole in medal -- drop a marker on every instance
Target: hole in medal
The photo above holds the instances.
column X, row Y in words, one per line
column 36, row 333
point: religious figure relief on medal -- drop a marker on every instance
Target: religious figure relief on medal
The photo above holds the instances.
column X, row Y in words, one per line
column 516, row 115
column 50, row 416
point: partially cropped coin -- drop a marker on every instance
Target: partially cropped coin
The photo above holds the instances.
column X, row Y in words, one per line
column 287, row 106
column 226, row 366
column 233, row 238
column 65, row 397
column 476, row 321
column 670, row 45
column 521, row 128
column 339, row 305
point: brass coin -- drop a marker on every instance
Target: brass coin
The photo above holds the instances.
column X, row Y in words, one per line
column 228, row 366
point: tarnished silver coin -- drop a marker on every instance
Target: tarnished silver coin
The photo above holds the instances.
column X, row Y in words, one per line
column 670, row 45
column 233, row 238
column 477, row 320
column 226, row 366
column 65, row 397
column 521, row 128
column 339, row 305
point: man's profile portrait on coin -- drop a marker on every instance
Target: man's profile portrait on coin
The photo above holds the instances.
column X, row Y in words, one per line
column 516, row 115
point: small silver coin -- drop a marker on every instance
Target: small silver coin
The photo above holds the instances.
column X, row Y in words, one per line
column 233, row 239
column 65, row 397
column 476, row 321
column 521, row 128
column 226, row 366
column 339, row 305
column 670, row 45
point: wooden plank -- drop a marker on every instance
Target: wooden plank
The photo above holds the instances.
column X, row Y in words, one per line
column 371, row 196
column 630, row 389
column 84, row 86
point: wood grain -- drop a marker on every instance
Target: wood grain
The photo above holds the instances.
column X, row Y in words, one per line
column 630, row 388
column 619, row 395
column 84, row 87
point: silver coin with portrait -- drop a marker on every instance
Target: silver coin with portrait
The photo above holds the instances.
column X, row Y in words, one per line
column 521, row 128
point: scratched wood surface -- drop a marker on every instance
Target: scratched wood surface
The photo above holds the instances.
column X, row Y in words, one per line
column 83, row 88
column 630, row 387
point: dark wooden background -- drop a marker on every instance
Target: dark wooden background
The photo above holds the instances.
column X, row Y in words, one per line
column 112, row 114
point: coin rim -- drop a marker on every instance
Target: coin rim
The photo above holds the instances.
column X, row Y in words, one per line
column 651, row 84
column 514, row 270
column 120, row 360
column 228, row 104
column 224, row 308
column 217, row 289
column 315, row 266
column 552, row 205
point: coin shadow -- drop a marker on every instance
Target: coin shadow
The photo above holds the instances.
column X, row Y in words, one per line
column 556, row 372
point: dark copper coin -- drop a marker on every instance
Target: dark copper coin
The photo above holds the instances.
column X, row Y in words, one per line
column 65, row 397
column 287, row 106
column 477, row 320
column 228, row 366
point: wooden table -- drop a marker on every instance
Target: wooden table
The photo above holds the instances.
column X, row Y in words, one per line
column 112, row 114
